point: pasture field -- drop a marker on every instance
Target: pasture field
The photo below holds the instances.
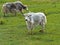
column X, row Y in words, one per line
column 14, row 31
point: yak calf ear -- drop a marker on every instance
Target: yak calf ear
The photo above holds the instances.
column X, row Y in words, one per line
column 23, row 14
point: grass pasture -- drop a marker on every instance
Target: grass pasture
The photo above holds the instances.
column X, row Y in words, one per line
column 14, row 31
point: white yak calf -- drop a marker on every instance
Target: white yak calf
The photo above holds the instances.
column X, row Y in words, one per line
column 33, row 19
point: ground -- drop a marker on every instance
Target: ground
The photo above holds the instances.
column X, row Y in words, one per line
column 14, row 32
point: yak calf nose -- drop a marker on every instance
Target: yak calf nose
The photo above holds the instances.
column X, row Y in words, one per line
column 26, row 20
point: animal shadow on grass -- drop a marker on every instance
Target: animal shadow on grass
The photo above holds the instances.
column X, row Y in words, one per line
column 9, row 15
column 40, row 37
column 36, row 33
column 51, row 33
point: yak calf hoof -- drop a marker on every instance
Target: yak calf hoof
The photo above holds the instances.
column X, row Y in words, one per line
column 41, row 31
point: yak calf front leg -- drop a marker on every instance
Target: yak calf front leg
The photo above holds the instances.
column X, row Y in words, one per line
column 30, row 27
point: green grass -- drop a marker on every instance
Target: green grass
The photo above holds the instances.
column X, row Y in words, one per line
column 14, row 31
